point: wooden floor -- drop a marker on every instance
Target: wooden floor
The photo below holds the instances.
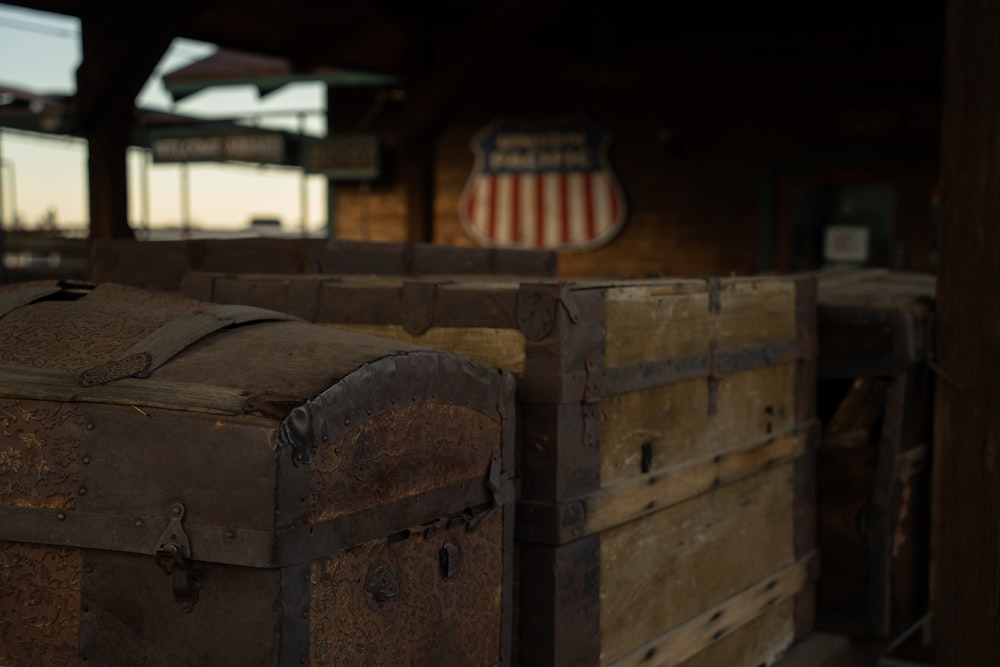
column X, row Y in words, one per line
column 822, row 649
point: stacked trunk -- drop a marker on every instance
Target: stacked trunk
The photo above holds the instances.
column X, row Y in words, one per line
column 665, row 472
column 161, row 265
column 195, row 484
column 876, row 398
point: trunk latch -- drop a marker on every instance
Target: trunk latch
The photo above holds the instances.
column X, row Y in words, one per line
column 173, row 555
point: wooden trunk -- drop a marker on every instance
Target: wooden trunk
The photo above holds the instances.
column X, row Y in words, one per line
column 875, row 402
column 665, row 474
column 193, row 484
column 161, row 265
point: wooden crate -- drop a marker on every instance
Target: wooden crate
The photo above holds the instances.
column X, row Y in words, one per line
column 161, row 265
column 665, row 475
column 194, row 484
column 875, row 402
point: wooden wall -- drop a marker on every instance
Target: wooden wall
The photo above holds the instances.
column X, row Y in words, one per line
column 744, row 113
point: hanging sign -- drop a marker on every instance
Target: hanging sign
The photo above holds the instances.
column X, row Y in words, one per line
column 249, row 146
column 344, row 157
column 542, row 185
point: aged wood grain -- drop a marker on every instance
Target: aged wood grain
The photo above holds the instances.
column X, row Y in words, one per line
column 718, row 621
column 647, row 323
column 49, row 385
column 499, row 348
column 759, row 643
column 665, row 569
column 636, row 497
column 675, row 422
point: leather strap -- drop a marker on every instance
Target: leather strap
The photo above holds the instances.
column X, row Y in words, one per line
column 27, row 295
column 174, row 337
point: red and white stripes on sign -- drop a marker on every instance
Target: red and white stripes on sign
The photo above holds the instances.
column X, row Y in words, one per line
column 543, row 210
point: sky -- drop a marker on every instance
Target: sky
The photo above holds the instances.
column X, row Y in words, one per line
column 42, row 174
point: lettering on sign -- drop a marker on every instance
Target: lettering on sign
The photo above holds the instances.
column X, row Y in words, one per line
column 544, row 185
column 255, row 147
column 345, row 157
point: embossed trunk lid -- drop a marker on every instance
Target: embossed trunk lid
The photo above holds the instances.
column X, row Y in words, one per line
column 202, row 483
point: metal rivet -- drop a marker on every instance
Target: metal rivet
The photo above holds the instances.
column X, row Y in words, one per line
column 138, row 523
column 86, row 460
column 90, row 427
column 83, row 491
column 61, row 516
column 176, row 510
column 347, row 422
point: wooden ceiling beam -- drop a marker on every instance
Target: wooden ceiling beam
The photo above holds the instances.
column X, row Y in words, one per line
column 433, row 94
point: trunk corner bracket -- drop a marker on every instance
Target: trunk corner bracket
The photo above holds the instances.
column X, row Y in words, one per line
column 537, row 306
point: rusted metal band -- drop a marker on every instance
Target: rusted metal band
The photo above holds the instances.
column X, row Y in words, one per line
column 173, row 338
column 714, row 294
column 560, row 604
column 233, row 545
column 409, row 378
column 563, row 522
column 622, row 379
column 594, row 383
column 466, row 502
column 416, row 306
column 537, row 306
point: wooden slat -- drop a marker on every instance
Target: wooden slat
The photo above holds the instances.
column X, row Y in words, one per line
column 651, row 322
column 759, row 643
column 673, row 648
column 499, row 348
column 661, row 571
column 642, row 495
column 674, row 419
column 48, row 385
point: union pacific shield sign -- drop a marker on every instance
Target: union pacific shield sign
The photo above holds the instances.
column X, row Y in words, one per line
column 542, row 185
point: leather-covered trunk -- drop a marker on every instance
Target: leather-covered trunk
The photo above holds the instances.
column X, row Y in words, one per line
column 189, row 484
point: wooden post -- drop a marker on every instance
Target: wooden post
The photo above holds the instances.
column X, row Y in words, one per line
column 418, row 177
column 966, row 544
column 106, row 166
column 122, row 43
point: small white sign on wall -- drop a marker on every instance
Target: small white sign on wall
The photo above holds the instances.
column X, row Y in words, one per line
column 847, row 244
